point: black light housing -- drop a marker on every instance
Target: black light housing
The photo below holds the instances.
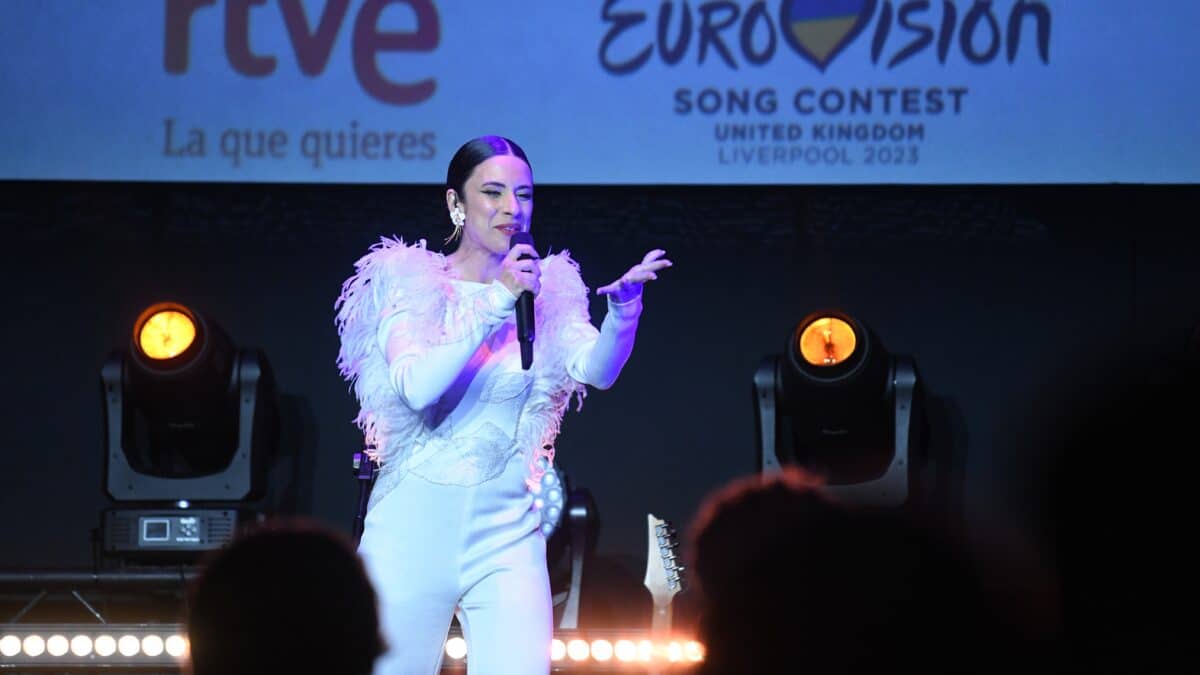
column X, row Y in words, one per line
column 838, row 404
column 181, row 419
column 191, row 437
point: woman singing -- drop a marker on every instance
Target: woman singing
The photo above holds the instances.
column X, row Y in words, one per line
column 463, row 434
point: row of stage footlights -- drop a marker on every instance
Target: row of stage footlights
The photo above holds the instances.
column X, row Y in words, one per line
column 168, row 645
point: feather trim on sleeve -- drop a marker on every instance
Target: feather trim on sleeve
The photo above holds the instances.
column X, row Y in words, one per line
column 398, row 277
column 561, row 310
column 391, row 277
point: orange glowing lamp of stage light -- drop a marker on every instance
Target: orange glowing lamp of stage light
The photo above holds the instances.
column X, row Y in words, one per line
column 166, row 334
column 827, row 341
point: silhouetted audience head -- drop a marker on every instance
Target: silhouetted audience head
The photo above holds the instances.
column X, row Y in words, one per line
column 1110, row 501
column 288, row 596
column 794, row 581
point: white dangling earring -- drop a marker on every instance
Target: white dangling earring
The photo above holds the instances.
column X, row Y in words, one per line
column 458, row 218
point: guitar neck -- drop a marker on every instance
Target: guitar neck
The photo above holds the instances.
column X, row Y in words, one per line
column 660, row 631
column 660, row 620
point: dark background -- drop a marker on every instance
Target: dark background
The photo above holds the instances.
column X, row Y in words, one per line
column 992, row 290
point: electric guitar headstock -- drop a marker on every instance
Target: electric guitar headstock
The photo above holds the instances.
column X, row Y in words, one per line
column 663, row 571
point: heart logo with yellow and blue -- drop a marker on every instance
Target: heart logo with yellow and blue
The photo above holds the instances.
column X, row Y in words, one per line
column 819, row 29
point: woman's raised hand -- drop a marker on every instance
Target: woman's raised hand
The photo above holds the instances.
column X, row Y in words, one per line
column 629, row 286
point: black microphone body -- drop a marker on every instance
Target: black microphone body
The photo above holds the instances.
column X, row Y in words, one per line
column 525, row 323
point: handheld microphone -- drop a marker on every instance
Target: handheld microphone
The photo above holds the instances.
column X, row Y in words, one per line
column 525, row 323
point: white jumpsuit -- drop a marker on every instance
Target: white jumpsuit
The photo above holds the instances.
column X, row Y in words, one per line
column 432, row 546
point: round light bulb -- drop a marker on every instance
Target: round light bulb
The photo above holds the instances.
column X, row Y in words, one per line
column 10, row 645
column 81, row 645
column 456, row 648
column 166, row 334
column 105, row 645
column 625, row 650
column 177, row 646
column 152, row 645
column 33, row 645
column 577, row 650
column 129, row 645
column 558, row 650
column 57, row 645
column 602, row 650
column 827, row 341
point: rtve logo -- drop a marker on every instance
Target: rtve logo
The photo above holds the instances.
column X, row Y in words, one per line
column 312, row 44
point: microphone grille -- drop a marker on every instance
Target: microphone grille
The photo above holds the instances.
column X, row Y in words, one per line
column 520, row 238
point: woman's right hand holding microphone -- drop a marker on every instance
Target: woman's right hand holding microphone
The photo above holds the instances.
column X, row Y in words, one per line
column 520, row 275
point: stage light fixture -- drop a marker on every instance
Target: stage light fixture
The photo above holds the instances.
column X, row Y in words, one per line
column 191, row 437
column 164, row 646
column 838, row 404
column 91, row 646
column 604, row 650
column 569, row 523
